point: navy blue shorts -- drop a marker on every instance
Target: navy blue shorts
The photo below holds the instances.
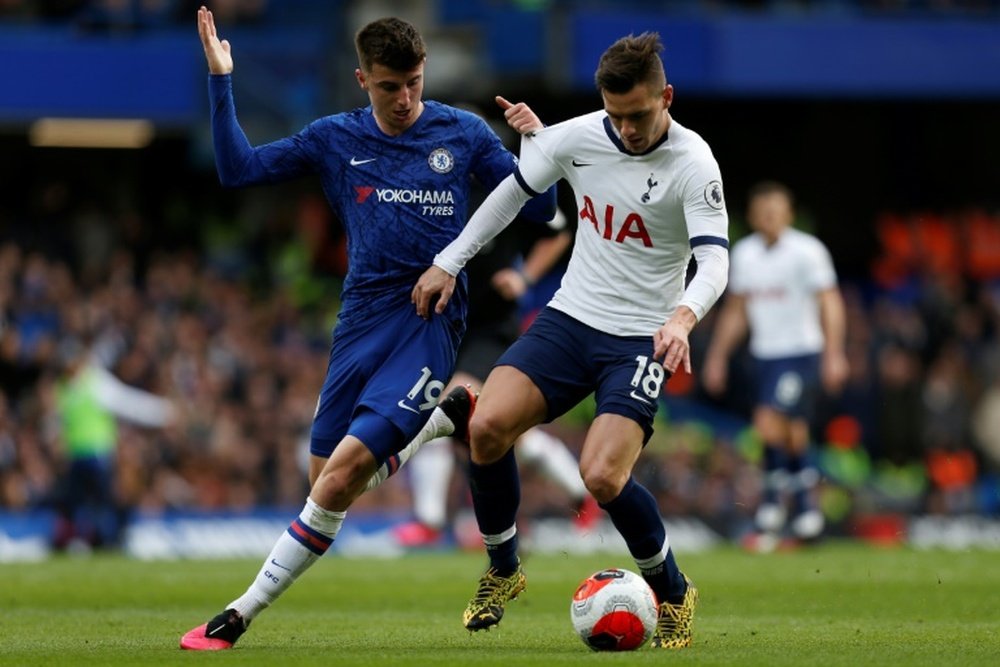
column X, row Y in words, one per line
column 568, row 360
column 790, row 385
column 394, row 365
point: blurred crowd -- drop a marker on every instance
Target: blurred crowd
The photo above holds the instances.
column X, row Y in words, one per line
column 230, row 318
column 128, row 14
column 119, row 15
column 239, row 351
column 234, row 326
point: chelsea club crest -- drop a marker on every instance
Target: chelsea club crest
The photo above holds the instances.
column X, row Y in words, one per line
column 441, row 160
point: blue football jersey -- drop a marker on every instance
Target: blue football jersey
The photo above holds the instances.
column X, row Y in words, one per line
column 401, row 199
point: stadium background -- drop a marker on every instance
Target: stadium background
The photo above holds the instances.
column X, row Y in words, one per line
column 880, row 115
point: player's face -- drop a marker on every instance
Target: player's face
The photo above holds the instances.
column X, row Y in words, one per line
column 395, row 96
column 640, row 115
column 770, row 214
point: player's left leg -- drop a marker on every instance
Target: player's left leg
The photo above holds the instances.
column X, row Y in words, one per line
column 450, row 418
column 613, row 445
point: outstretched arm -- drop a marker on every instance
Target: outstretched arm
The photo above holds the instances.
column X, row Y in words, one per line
column 237, row 162
column 217, row 53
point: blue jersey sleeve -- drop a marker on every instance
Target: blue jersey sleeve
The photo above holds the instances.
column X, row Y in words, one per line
column 237, row 162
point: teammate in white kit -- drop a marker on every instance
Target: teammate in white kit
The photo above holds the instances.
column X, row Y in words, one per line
column 783, row 289
column 649, row 193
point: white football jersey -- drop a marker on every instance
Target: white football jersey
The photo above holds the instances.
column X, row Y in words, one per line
column 780, row 284
column 639, row 216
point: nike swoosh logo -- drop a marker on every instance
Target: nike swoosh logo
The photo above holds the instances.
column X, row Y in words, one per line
column 355, row 161
column 639, row 398
column 582, row 164
column 277, row 564
column 407, row 407
column 209, row 634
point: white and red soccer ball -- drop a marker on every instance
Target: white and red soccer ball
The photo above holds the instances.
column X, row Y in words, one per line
column 614, row 610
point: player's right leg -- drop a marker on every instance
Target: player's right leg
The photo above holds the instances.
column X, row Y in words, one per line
column 772, row 427
column 771, row 513
column 538, row 377
column 807, row 521
column 509, row 404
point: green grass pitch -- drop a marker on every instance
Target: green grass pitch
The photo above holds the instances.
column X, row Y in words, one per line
column 836, row 604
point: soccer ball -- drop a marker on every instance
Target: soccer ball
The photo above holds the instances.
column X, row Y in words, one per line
column 614, row 610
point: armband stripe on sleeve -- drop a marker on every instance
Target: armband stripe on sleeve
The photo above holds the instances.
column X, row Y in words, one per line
column 709, row 240
column 524, row 184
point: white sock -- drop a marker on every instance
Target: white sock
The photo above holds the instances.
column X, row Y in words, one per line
column 289, row 558
column 437, row 425
column 430, row 479
column 553, row 459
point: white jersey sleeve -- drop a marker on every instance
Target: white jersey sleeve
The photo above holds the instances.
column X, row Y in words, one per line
column 491, row 218
column 500, row 207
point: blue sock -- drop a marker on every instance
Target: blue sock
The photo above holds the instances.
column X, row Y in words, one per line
column 496, row 494
column 775, row 474
column 637, row 517
column 803, row 477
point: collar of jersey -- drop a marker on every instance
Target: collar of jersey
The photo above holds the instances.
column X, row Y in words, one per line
column 616, row 140
column 373, row 124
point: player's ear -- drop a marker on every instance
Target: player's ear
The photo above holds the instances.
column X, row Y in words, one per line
column 362, row 81
column 668, row 96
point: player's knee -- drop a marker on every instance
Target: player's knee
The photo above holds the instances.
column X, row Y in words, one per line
column 603, row 482
column 338, row 485
column 771, row 427
column 488, row 438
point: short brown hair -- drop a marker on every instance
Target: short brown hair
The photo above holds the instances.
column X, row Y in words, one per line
column 764, row 188
column 630, row 61
column 390, row 42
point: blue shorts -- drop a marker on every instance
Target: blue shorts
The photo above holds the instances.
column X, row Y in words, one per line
column 790, row 385
column 384, row 377
column 568, row 360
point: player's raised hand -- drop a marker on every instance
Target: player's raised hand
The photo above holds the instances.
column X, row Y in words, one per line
column 519, row 116
column 434, row 287
column 217, row 53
